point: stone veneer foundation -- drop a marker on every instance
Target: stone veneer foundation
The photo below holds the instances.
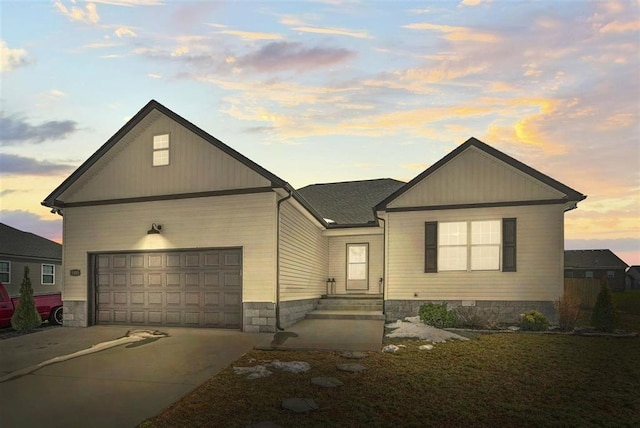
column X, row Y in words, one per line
column 509, row 311
column 74, row 313
column 295, row 310
column 259, row 317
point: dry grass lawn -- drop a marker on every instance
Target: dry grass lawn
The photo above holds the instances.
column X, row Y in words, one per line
column 506, row 380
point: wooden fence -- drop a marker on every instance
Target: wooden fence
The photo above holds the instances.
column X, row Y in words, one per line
column 586, row 289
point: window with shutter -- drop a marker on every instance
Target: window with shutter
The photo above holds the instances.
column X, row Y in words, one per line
column 509, row 244
column 431, row 247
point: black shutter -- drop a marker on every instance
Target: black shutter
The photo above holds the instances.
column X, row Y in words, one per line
column 431, row 246
column 509, row 245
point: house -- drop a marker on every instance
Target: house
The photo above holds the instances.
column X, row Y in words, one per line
column 42, row 256
column 167, row 225
column 594, row 264
column 633, row 278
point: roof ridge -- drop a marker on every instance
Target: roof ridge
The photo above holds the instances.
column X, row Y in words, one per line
column 353, row 181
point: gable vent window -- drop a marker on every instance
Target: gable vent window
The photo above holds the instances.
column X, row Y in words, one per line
column 161, row 150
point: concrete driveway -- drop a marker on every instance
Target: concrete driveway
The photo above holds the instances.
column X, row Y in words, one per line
column 116, row 387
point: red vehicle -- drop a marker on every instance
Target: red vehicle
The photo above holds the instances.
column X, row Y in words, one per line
column 49, row 307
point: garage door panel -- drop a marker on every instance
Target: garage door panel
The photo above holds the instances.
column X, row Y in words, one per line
column 154, row 261
column 192, row 279
column 137, row 298
column 188, row 288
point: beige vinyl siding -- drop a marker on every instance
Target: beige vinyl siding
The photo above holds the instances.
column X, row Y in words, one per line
column 475, row 177
column 539, row 273
column 246, row 221
column 35, row 274
column 195, row 165
column 338, row 259
column 304, row 256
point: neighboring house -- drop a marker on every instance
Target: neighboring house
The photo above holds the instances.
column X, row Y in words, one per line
column 633, row 278
column 594, row 264
column 166, row 225
column 43, row 257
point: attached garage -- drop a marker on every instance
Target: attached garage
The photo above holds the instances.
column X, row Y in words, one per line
column 189, row 288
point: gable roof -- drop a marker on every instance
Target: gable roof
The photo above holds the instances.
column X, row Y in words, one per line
column 51, row 201
column 276, row 182
column 592, row 259
column 14, row 242
column 570, row 194
column 350, row 202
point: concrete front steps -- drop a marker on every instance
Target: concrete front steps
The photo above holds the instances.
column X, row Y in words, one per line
column 348, row 307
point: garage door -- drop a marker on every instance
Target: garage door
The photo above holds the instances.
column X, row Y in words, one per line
column 182, row 288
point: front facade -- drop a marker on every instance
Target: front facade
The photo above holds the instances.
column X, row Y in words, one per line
column 596, row 264
column 19, row 249
column 166, row 225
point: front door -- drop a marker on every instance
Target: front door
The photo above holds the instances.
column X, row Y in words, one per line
column 357, row 267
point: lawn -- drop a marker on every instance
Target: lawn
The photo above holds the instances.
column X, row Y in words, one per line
column 507, row 379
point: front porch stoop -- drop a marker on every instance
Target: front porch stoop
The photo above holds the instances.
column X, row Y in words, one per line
column 348, row 307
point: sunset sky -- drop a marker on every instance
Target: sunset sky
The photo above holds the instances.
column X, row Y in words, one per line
column 326, row 91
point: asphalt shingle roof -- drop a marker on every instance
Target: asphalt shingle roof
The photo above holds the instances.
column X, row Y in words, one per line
column 349, row 202
column 14, row 242
column 594, row 259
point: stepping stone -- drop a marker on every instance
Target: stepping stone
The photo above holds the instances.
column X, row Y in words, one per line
column 425, row 347
column 351, row 367
column 326, row 382
column 264, row 424
column 354, row 355
column 299, row 405
column 390, row 349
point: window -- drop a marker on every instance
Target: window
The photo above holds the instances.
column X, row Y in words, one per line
column 588, row 274
column 5, row 272
column 48, row 274
column 611, row 274
column 161, row 150
column 470, row 245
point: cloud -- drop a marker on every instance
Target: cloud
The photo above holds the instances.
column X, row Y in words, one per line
column 11, row 59
column 359, row 34
column 20, row 165
column 88, row 15
column 278, row 56
column 49, row 227
column 621, row 27
column 124, row 32
column 251, row 35
column 15, row 130
column 457, row 34
column 6, row 192
column 130, row 3
column 154, row 76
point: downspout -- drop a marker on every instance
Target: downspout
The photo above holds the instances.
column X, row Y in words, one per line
column 280, row 201
column 384, row 261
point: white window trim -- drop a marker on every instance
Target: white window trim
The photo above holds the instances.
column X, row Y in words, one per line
column 8, row 272
column 52, row 275
column 469, row 246
column 159, row 148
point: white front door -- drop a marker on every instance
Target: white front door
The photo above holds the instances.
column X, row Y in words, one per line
column 357, row 267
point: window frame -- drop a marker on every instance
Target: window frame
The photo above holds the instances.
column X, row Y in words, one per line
column 470, row 245
column 159, row 148
column 52, row 274
column 7, row 272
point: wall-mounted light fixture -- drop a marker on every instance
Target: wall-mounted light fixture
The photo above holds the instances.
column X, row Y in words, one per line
column 155, row 229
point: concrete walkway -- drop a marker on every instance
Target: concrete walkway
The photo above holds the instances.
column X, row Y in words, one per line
column 330, row 335
column 116, row 387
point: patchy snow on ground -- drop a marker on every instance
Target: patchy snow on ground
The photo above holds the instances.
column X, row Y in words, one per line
column 261, row 370
column 413, row 327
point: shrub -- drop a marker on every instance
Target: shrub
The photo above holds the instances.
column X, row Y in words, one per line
column 438, row 315
column 604, row 316
column 26, row 316
column 475, row 317
column 534, row 321
column 568, row 307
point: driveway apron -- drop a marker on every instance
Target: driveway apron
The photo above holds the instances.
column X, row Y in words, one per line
column 115, row 387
